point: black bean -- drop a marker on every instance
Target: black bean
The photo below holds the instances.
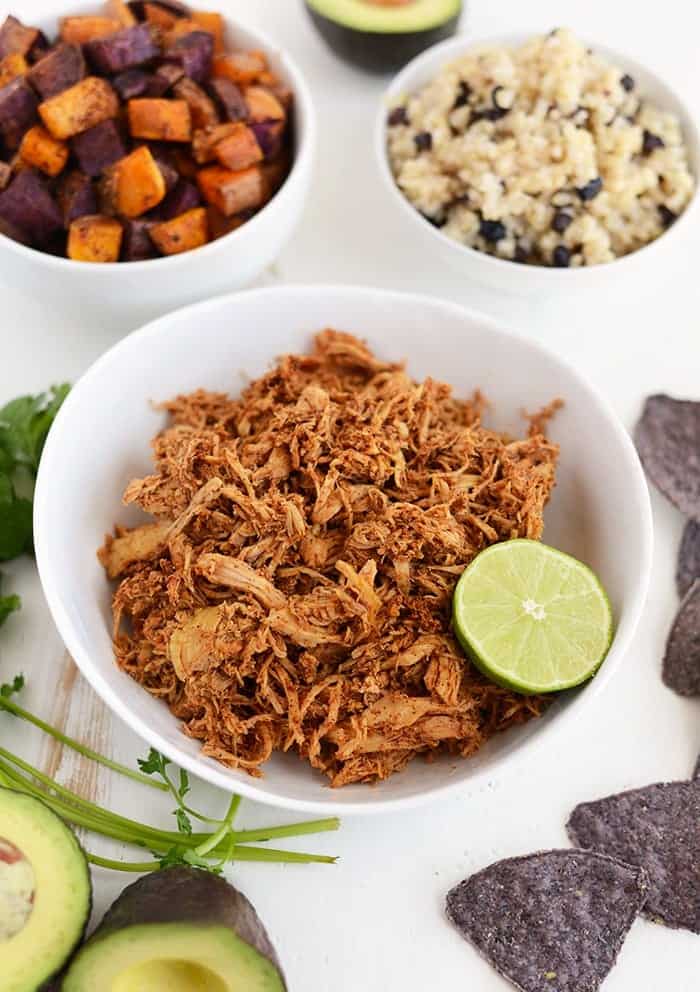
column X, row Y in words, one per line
column 492, row 230
column 490, row 114
column 423, row 141
column 436, row 221
column 651, row 142
column 667, row 216
column 590, row 190
column 398, row 116
column 463, row 93
column 561, row 257
column 561, row 221
column 627, row 83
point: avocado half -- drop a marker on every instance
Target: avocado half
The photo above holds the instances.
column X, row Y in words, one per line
column 45, row 893
column 178, row 930
column 383, row 35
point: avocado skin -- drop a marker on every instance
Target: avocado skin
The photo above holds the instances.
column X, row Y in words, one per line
column 188, row 895
column 375, row 52
column 52, row 983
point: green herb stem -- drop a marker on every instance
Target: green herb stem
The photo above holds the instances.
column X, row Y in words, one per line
column 221, row 834
column 87, row 752
column 290, row 830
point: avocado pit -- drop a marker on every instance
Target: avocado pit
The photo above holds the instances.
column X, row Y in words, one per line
column 17, row 885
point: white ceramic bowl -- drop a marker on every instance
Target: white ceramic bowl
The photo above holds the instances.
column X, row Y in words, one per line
column 133, row 292
column 100, row 440
column 532, row 279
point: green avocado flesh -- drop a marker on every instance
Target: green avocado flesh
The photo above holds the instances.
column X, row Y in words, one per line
column 365, row 15
column 39, row 929
column 179, row 930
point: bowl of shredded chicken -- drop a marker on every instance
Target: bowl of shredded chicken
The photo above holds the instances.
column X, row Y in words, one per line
column 283, row 594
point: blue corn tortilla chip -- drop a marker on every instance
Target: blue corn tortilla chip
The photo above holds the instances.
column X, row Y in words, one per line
column 688, row 568
column 668, row 442
column 657, row 827
column 550, row 922
column 681, row 666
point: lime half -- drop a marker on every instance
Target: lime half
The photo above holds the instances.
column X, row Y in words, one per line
column 532, row 618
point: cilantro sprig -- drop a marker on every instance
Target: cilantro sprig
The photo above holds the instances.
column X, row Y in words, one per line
column 210, row 849
column 24, row 426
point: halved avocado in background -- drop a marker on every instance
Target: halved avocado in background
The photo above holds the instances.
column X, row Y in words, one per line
column 45, row 893
column 383, row 35
column 175, row 931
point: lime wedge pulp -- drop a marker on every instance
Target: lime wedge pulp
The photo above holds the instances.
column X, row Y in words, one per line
column 532, row 618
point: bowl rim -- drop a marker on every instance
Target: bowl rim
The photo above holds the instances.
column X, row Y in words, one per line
column 306, row 139
column 218, row 775
column 451, row 48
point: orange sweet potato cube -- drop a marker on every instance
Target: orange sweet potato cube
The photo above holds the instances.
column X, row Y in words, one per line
column 80, row 107
column 231, row 192
column 159, row 16
column 213, row 24
column 43, row 151
column 119, row 11
column 95, row 238
column 241, row 68
column 206, row 139
column 220, row 225
column 263, row 105
column 80, row 30
column 135, row 184
column 12, row 66
column 160, row 120
column 240, row 149
column 182, row 26
column 183, row 233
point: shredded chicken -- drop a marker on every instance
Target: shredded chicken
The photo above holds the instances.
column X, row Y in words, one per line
column 294, row 592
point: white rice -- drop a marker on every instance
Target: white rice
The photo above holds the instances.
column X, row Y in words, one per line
column 567, row 117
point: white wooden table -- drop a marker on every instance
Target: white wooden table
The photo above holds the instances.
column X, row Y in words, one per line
column 375, row 921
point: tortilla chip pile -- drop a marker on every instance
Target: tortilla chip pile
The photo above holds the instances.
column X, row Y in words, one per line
column 555, row 921
column 668, row 441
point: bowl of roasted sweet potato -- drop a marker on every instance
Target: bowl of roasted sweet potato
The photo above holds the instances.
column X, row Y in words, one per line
column 151, row 154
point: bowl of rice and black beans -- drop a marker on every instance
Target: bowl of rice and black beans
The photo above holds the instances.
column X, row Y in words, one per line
column 544, row 152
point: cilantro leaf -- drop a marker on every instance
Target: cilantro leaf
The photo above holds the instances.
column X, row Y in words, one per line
column 184, row 824
column 24, row 426
column 184, row 784
column 154, row 764
column 8, row 605
column 13, row 687
column 15, row 526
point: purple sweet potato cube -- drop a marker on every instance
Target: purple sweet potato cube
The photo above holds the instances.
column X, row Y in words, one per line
column 132, row 83
column 168, row 171
column 229, row 98
column 269, row 135
column 16, row 38
column 99, row 147
column 60, row 69
column 168, row 74
column 126, row 49
column 136, row 244
column 194, row 53
column 5, row 175
column 27, row 205
column 183, row 197
column 18, row 111
column 76, row 197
